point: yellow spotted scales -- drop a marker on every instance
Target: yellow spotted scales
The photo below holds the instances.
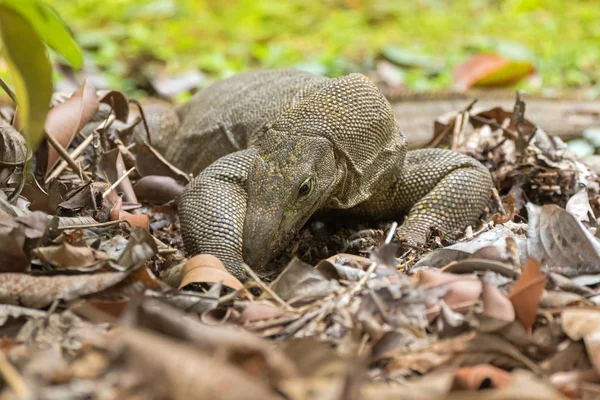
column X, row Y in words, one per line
column 271, row 148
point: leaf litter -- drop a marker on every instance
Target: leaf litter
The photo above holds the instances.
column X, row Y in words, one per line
column 100, row 300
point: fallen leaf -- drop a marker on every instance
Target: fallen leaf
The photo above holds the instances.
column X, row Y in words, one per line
column 18, row 236
column 205, row 268
column 113, row 167
column 301, row 282
column 497, row 309
column 118, row 102
column 40, row 291
column 490, row 70
column 527, row 292
column 480, row 377
column 150, row 162
column 157, row 189
column 66, row 119
column 179, row 371
column 66, row 256
column 583, row 323
column 140, row 248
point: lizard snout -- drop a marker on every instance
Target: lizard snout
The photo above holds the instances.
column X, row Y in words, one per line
column 262, row 239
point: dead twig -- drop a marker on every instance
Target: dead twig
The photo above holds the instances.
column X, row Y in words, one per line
column 141, row 109
column 63, row 153
column 267, row 289
column 98, row 225
column 79, row 149
column 13, row 378
column 117, row 182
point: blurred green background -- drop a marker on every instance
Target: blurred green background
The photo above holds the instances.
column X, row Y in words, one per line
column 131, row 42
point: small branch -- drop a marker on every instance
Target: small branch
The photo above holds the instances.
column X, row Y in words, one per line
column 266, row 288
column 79, row 149
column 63, row 153
column 141, row 109
column 98, row 225
column 117, row 182
column 13, row 378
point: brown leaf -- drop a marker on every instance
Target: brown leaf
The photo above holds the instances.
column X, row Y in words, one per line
column 527, row 292
column 479, row 377
column 150, row 162
column 179, row 371
column 256, row 356
column 462, row 290
column 300, row 281
column 556, row 238
column 490, row 70
column 18, row 236
column 118, row 102
column 40, row 291
column 66, row 119
column 66, row 256
column 157, row 189
column 140, row 248
column 497, row 309
column 569, row 383
column 113, row 167
column 136, row 220
column 584, row 323
column 206, row 268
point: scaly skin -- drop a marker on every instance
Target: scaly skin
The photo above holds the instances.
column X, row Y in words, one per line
column 282, row 145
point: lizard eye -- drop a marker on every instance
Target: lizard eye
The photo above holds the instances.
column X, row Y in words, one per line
column 305, row 188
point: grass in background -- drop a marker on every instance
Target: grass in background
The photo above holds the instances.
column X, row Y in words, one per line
column 426, row 37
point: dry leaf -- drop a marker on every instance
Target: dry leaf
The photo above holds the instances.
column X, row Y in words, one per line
column 490, row 70
column 206, row 268
column 40, row 291
column 66, row 256
column 179, row 371
column 584, row 323
column 13, row 149
column 113, row 167
column 66, row 119
column 157, row 189
column 150, row 162
column 478, row 377
column 526, row 294
column 18, row 236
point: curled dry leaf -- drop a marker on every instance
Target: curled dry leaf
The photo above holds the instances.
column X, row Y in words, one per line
column 118, row 102
column 206, row 268
column 584, row 323
column 40, row 291
column 157, row 189
column 484, row 376
column 527, row 292
column 113, row 167
column 66, row 256
column 150, row 162
column 136, row 220
column 66, row 119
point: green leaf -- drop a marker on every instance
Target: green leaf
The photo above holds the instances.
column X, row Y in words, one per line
column 31, row 70
column 49, row 26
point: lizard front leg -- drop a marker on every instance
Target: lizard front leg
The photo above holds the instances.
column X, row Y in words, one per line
column 213, row 208
column 437, row 189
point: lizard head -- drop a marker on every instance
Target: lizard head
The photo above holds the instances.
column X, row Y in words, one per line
column 333, row 149
column 291, row 178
